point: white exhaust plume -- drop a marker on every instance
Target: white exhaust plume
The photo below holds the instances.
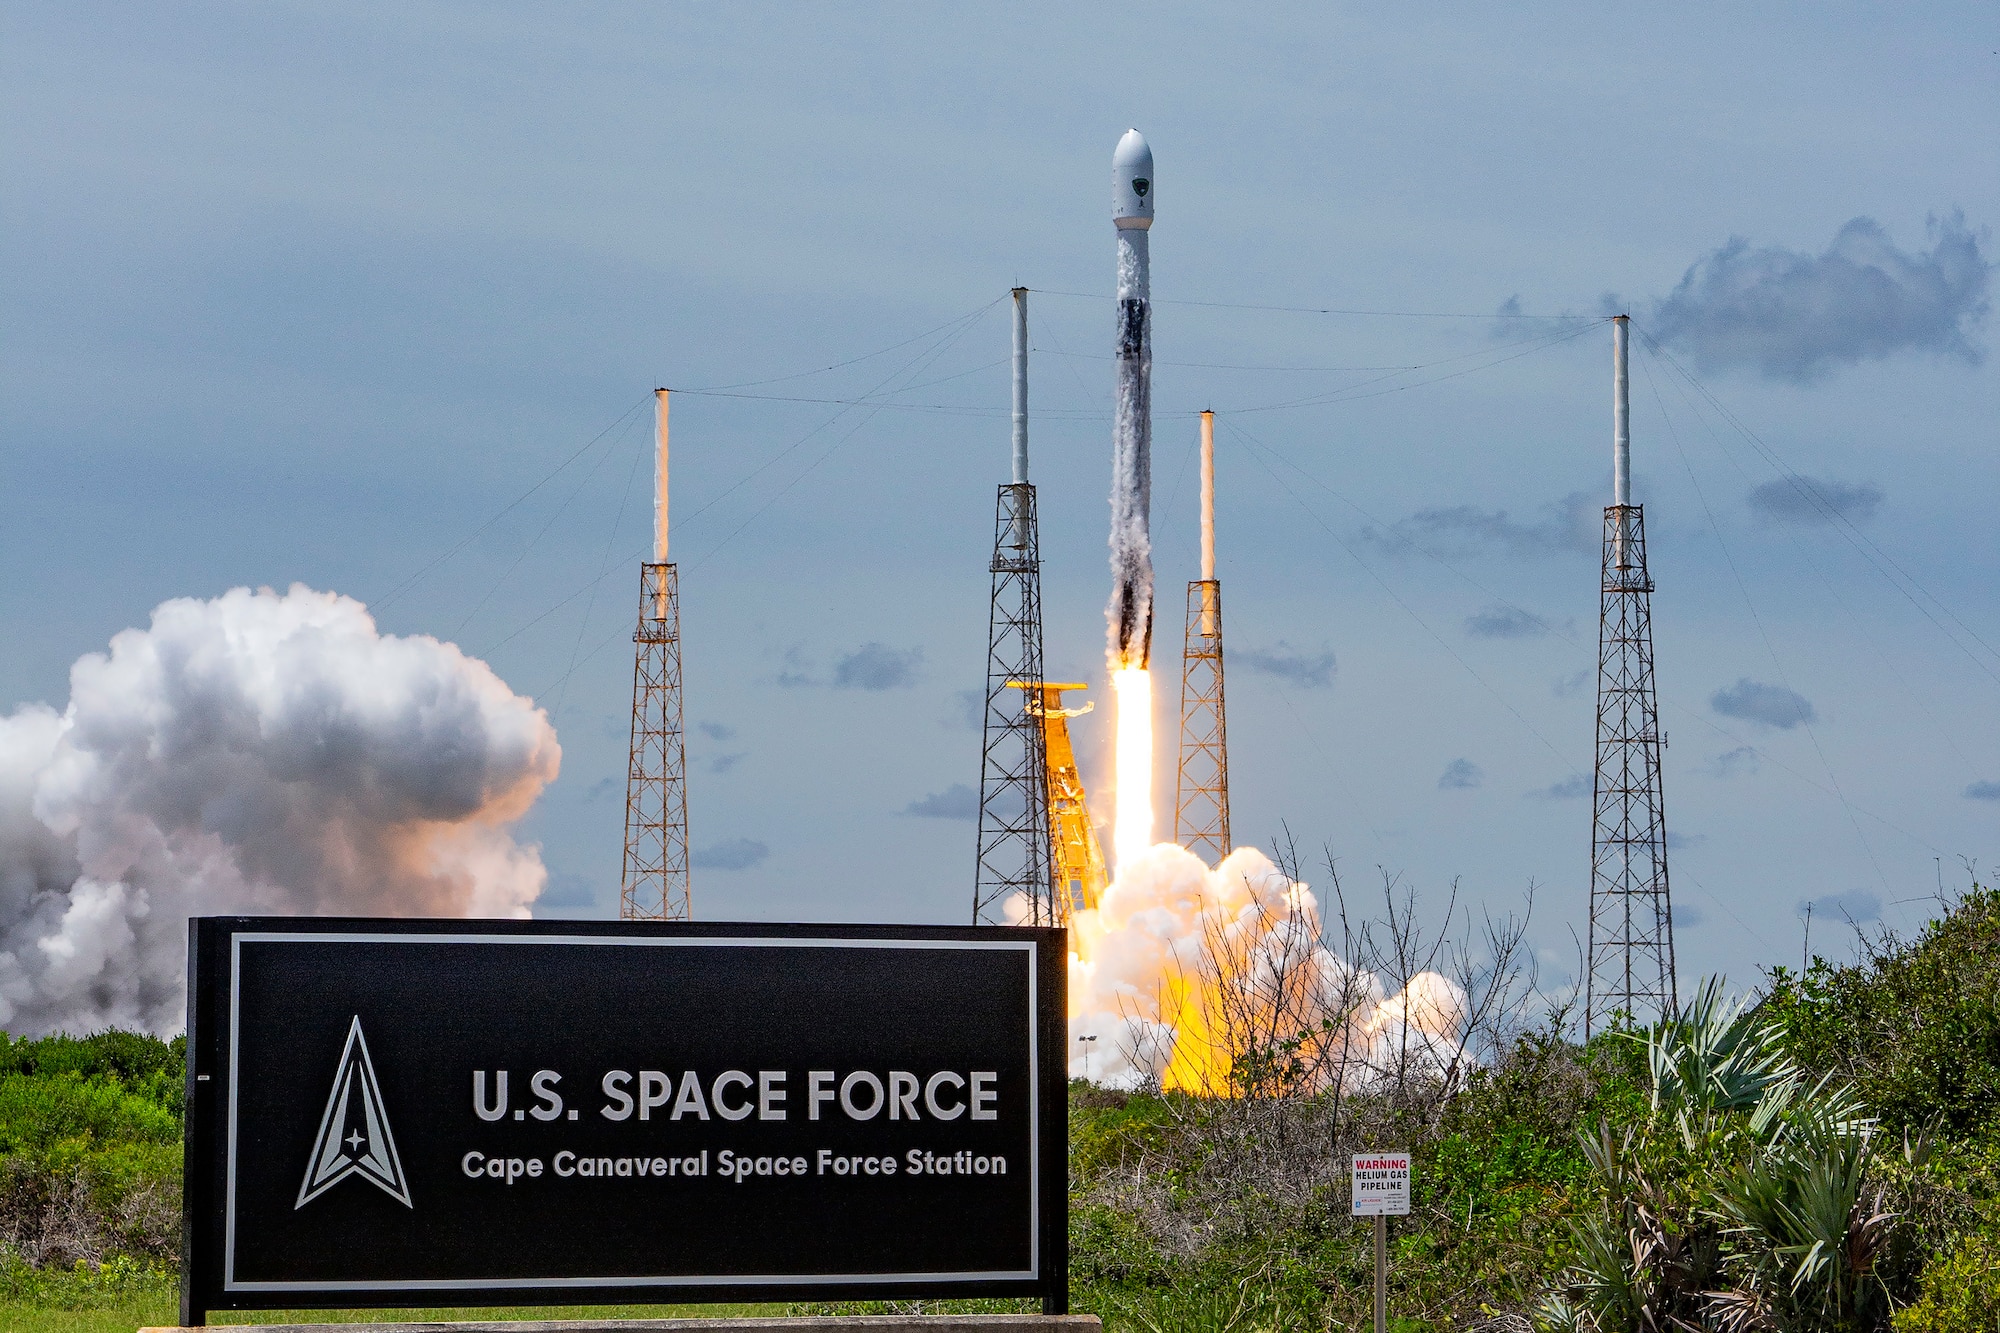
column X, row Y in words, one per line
column 257, row 753
column 1182, row 968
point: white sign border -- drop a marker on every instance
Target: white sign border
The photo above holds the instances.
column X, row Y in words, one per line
column 1032, row 1273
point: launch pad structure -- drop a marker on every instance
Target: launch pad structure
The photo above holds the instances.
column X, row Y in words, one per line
column 1013, row 864
column 1201, row 793
column 654, row 883
column 1631, row 942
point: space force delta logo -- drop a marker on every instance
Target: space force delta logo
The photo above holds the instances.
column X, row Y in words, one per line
column 354, row 1137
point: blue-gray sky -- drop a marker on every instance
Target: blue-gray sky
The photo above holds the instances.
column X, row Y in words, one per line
column 314, row 291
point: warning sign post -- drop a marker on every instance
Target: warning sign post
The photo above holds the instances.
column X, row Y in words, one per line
column 1381, row 1190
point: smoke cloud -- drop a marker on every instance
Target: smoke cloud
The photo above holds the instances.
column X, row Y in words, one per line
column 1505, row 622
column 1144, row 982
column 1798, row 317
column 257, row 753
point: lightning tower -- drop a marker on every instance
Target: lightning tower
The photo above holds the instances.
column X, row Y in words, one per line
column 1631, row 913
column 1201, row 797
column 655, row 883
column 1013, row 863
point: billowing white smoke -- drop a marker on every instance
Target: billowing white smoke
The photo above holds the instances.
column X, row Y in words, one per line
column 1181, row 962
column 257, row 753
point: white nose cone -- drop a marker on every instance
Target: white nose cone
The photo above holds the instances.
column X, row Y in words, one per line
column 1132, row 183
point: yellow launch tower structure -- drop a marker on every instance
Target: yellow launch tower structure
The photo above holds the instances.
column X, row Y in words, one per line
column 1077, row 859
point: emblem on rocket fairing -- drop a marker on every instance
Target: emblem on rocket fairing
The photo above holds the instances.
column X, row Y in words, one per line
column 354, row 1137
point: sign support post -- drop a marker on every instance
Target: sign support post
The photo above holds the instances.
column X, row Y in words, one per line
column 1381, row 1273
column 1381, row 1190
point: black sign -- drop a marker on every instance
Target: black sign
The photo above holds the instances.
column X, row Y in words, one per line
column 532, row 1112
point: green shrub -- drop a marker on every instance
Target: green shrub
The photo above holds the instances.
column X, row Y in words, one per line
column 1960, row 1293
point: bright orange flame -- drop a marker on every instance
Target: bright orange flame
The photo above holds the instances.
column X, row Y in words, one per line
column 1132, row 828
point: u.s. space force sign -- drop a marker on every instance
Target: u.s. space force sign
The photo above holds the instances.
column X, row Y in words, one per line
column 467, row 1113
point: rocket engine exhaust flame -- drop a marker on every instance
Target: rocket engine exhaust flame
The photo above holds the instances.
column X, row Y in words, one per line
column 1132, row 830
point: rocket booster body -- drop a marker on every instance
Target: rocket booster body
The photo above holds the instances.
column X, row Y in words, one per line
column 1130, row 614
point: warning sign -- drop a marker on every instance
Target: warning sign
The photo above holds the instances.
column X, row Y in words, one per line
column 1382, row 1184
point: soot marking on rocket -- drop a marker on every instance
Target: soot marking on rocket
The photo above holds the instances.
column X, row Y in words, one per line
column 1131, row 329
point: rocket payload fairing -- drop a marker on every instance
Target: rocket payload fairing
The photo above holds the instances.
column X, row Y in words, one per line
column 1131, row 611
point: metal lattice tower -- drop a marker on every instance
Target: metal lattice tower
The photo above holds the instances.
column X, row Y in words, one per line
column 1013, row 769
column 1631, row 944
column 655, row 881
column 1203, row 777
column 1013, row 860
column 1201, row 790
column 1201, row 797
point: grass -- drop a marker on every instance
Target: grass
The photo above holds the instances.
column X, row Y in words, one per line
column 160, row 1306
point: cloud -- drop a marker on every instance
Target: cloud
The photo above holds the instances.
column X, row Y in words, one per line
column 1307, row 670
column 796, row 673
column 1773, row 705
column 1811, row 500
column 567, row 891
column 1984, row 791
column 1505, row 622
column 1567, row 687
column 1572, row 523
column 1460, row 774
column 1683, row 841
column 1573, row 787
column 732, row 854
column 957, row 801
column 968, row 710
column 1798, row 317
column 723, row 763
column 1858, row 906
column 716, row 731
column 1687, row 914
column 254, row 753
column 876, row 666
column 1730, row 763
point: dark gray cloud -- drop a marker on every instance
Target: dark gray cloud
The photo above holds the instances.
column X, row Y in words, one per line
column 1813, row 500
column 722, row 763
column 1730, row 763
column 1461, row 774
column 1754, row 701
column 1505, row 622
column 877, row 666
column 1571, row 788
column 1857, row 905
column 731, row 854
column 1687, row 914
column 716, row 731
column 1984, row 791
column 957, row 801
column 1794, row 316
column 1572, row 523
column 1303, row 668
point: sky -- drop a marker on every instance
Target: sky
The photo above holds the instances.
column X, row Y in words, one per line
column 373, row 298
